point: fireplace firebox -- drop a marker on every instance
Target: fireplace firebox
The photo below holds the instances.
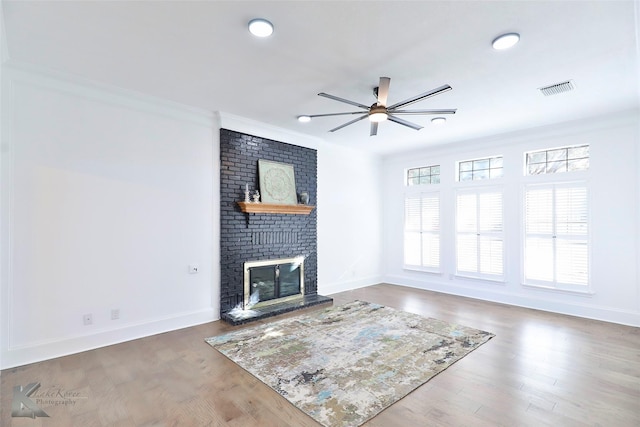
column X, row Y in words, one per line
column 272, row 281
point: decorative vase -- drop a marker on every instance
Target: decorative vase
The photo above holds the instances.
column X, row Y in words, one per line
column 304, row 198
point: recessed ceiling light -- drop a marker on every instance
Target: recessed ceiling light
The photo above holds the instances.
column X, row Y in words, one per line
column 506, row 41
column 438, row 120
column 260, row 27
column 304, row 119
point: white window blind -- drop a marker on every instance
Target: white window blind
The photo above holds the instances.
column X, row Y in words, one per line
column 556, row 235
column 422, row 231
column 480, row 234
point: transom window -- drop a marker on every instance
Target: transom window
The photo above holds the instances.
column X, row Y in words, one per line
column 479, row 169
column 566, row 159
column 424, row 175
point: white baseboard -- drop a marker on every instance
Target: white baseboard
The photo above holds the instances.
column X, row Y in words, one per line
column 19, row 356
column 579, row 309
column 334, row 288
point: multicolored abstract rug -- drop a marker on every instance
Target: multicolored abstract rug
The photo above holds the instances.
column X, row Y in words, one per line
column 345, row 364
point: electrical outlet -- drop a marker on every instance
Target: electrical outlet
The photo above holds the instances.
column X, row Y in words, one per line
column 87, row 319
column 193, row 268
column 115, row 314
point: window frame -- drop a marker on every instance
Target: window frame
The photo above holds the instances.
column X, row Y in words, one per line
column 472, row 170
column 477, row 190
column 407, row 178
column 421, row 193
column 526, row 155
column 549, row 182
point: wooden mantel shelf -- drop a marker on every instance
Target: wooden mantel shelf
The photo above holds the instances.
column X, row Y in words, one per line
column 275, row 208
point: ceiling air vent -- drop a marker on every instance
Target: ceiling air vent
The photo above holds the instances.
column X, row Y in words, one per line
column 557, row 88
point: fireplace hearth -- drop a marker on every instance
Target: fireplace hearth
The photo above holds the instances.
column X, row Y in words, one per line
column 238, row 316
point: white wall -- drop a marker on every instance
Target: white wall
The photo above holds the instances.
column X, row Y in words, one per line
column 349, row 219
column 107, row 197
column 613, row 182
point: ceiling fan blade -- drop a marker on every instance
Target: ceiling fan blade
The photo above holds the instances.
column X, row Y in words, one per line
column 404, row 122
column 424, row 111
column 335, row 98
column 420, row 97
column 374, row 129
column 335, row 114
column 383, row 90
column 349, row 123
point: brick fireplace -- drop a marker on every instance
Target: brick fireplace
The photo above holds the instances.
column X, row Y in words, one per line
column 256, row 237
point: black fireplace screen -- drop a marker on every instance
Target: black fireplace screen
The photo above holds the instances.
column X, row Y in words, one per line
column 275, row 281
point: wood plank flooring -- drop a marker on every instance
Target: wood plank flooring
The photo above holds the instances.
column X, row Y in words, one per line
column 541, row 369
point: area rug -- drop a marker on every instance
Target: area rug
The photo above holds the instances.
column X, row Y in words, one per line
column 345, row 364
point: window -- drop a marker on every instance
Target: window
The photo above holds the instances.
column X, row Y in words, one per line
column 422, row 231
column 474, row 170
column 557, row 160
column 556, row 236
column 424, row 175
column 479, row 234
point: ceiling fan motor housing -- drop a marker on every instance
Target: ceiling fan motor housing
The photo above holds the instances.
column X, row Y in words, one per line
column 377, row 109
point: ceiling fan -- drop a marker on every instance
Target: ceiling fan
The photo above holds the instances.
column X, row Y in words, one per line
column 379, row 111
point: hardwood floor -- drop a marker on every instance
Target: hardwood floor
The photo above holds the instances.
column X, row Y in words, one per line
column 541, row 369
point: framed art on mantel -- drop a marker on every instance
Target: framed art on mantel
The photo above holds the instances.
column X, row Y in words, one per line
column 277, row 183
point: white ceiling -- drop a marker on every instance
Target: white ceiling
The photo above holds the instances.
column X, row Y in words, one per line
column 201, row 54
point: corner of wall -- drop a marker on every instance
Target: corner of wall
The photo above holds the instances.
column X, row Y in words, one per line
column 263, row 130
column 3, row 319
column 637, row 25
column 4, row 47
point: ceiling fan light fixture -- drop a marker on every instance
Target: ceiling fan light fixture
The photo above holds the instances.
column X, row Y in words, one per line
column 378, row 117
column 377, row 113
column 438, row 121
column 304, row 119
column 260, row 27
column 505, row 41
